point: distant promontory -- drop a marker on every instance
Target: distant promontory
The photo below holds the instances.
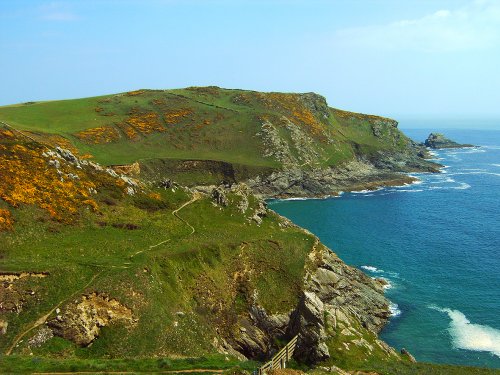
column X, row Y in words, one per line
column 438, row 140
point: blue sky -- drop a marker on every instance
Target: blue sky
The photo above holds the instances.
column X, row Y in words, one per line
column 404, row 59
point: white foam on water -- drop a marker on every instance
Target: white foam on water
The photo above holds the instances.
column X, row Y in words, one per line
column 495, row 165
column 475, row 172
column 388, row 284
column 372, row 269
column 473, row 150
column 462, row 186
column 366, row 191
column 409, row 190
column 394, row 309
column 393, row 274
column 469, row 336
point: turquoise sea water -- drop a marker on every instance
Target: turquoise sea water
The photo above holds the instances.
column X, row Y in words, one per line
column 437, row 243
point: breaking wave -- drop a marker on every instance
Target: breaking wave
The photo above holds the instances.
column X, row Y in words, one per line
column 372, row 269
column 394, row 309
column 469, row 336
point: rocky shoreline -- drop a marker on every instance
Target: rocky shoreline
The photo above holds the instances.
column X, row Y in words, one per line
column 353, row 176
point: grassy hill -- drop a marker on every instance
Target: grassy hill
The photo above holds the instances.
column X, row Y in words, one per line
column 254, row 133
column 100, row 271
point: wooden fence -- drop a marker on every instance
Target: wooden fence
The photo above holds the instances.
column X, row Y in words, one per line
column 281, row 358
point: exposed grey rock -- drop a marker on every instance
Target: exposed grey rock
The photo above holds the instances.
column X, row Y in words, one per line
column 408, row 355
column 274, row 145
column 438, row 140
column 43, row 335
column 112, row 173
column 55, row 163
column 335, row 300
column 68, row 156
column 259, row 212
column 81, row 320
column 242, row 191
column 219, row 196
column 166, row 183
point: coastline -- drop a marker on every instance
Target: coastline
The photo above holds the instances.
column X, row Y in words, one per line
column 357, row 187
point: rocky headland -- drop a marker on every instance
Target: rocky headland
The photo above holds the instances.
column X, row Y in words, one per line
column 438, row 141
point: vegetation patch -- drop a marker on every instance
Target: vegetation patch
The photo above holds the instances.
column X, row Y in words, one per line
column 102, row 134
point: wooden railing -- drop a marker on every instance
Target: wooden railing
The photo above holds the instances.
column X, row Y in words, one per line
column 281, row 358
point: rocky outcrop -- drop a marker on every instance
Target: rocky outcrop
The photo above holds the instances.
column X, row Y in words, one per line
column 337, row 302
column 316, row 103
column 408, row 355
column 239, row 196
column 353, row 175
column 82, row 320
column 218, row 195
column 438, row 140
column 133, row 169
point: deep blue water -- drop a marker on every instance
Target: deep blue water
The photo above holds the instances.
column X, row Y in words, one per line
column 436, row 242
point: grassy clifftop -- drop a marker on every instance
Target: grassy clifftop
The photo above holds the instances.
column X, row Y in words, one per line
column 209, row 123
column 280, row 144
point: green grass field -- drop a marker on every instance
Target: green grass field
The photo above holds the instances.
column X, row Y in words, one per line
column 197, row 123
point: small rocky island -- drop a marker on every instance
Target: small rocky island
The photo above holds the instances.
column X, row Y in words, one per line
column 438, row 140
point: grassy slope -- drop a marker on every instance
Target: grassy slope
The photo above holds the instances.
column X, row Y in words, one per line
column 219, row 126
column 158, row 268
column 164, row 277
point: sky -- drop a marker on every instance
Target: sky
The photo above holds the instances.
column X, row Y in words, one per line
column 411, row 59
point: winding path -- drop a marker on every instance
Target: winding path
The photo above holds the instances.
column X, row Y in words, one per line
column 196, row 196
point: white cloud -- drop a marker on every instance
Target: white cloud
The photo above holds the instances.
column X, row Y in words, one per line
column 476, row 26
column 57, row 11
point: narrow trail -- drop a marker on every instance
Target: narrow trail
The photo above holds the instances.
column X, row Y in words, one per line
column 43, row 318
column 196, row 196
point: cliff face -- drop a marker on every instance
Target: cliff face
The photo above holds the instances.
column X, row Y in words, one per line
column 336, row 305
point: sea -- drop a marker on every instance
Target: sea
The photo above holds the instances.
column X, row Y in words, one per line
column 436, row 242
